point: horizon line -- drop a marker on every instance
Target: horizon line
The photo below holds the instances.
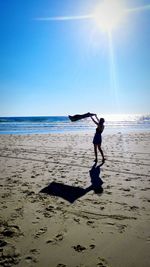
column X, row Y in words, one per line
column 107, row 114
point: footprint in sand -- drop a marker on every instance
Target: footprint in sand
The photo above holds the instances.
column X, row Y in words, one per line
column 134, row 208
column 50, row 208
column 79, row 248
column 90, row 223
column 56, row 239
column 128, row 179
column 121, row 228
column 77, row 220
column 92, row 246
column 28, row 193
column 49, row 211
column 148, row 239
column 59, row 237
column 34, row 251
column 30, row 259
column 9, row 230
column 19, row 211
column 125, row 189
column 3, row 243
column 9, row 256
column 40, row 232
column 108, row 192
column 102, row 262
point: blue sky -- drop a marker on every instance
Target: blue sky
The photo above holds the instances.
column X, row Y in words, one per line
column 64, row 67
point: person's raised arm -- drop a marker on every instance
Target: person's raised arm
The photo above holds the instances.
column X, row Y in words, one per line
column 94, row 121
column 97, row 118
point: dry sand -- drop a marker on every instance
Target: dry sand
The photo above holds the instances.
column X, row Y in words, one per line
column 78, row 227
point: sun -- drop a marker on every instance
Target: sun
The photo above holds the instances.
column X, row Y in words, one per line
column 109, row 14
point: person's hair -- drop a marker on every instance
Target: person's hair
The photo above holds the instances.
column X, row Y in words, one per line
column 101, row 121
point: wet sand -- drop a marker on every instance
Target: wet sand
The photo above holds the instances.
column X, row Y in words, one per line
column 72, row 224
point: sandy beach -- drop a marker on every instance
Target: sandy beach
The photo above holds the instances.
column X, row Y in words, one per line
column 70, row 223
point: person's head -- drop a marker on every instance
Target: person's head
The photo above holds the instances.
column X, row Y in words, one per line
column 101, row 121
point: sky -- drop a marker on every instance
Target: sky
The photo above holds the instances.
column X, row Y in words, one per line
column 51, row 66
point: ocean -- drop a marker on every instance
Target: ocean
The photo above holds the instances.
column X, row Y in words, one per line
column 62, row 124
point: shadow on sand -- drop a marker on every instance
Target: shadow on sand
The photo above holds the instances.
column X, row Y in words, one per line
column 72, row 193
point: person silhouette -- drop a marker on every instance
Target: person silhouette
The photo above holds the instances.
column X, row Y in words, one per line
column 97, row 140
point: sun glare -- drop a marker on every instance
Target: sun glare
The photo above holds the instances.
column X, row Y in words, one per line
column 109, row 14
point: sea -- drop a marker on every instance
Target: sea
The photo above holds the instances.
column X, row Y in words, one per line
column 61, row 124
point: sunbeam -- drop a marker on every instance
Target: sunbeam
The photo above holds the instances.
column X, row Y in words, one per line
column 136, row 9
column 65, row 18
column 112, row 69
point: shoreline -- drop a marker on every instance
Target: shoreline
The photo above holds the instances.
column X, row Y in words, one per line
column 72, row 225
column 108, row 130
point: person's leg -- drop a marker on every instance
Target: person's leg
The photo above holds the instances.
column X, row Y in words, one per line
column 101, row 151
column 95, row 152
